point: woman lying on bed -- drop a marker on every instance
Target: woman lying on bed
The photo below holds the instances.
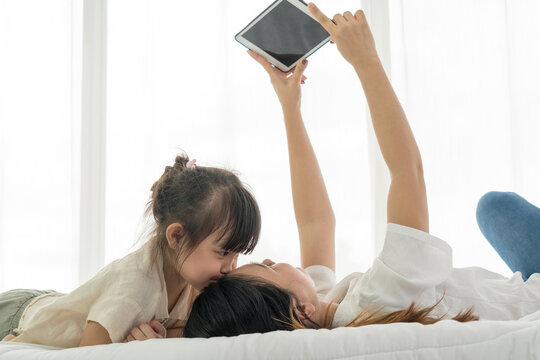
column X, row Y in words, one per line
column 412, row 279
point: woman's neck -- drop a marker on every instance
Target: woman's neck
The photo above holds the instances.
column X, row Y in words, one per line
column 331, row 307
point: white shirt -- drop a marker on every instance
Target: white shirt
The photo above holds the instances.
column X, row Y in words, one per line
column 415, row 265
column 121, row 296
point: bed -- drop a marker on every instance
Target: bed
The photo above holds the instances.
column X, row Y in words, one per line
column 447, row 339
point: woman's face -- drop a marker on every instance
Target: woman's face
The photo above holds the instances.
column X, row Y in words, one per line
column 285, row 276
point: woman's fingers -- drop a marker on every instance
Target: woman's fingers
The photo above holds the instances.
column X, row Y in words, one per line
column 148, row 332
column 304, row 77
column 299, row 70
column 359, row 15
column 265, row 64
column 292, row 71
column 325, row 22
column 158, row 328
column 351, row 34
column 270, row 69
column 347, row 15
column 339, row 19
column 137, row 334
column 145, row 331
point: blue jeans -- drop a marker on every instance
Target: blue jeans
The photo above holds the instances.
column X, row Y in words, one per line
column 512, row 226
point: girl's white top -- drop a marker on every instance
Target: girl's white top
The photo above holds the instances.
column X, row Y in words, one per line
column 416, row 266
column 121, row 296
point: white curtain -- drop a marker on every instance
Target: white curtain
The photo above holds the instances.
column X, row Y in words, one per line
column 177, row 79
column 465, row 73
column 40, row 48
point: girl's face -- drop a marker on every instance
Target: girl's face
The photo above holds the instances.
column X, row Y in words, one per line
column 208, row 262
column 285, row 276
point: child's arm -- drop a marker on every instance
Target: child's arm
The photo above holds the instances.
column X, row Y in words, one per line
column 95, row 334
column 153, row 330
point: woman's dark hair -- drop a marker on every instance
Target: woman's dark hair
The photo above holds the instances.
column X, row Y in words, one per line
column 240, row 304
column 204, row 200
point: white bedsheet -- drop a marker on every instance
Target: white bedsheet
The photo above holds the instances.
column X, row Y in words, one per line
column 447, row 339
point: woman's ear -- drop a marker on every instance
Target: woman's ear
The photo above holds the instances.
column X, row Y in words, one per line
column 174, row 233
column 307, row 308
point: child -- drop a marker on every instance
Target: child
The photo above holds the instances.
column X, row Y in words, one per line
column 414, row 266
column 204, row 217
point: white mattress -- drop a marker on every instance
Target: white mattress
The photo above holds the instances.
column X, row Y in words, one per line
column 447, row 339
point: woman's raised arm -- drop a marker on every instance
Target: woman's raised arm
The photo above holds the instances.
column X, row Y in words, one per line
column 407, row 200
column 314, row 215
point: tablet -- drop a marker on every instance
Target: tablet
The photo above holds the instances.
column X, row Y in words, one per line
column 284, row 33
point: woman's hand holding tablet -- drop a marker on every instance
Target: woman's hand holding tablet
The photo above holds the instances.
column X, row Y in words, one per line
column 284, row 33
column 351, row 35
column 287, row 88
column 289, row 30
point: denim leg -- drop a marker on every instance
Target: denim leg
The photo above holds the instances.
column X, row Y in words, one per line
column 512, row 226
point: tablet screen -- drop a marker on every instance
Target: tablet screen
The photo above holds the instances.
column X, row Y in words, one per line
column 286, row 33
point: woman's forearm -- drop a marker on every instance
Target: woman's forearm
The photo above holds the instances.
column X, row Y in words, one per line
column 310, row 198
column 393, row 132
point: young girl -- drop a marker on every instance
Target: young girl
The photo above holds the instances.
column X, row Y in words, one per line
column 414, row 267
column 204, row 217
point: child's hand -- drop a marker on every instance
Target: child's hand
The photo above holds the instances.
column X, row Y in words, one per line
column 145, row 331
column 351, row 34
column 287, row 88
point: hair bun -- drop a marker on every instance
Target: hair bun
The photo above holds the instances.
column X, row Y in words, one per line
column 180, row 162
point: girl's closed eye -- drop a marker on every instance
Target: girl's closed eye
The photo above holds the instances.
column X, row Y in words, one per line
column 223, row 253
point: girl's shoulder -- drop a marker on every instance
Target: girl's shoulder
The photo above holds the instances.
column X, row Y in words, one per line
column 135, row 267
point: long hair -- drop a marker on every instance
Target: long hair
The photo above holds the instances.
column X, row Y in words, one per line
column 236, row 305
column 204, row 200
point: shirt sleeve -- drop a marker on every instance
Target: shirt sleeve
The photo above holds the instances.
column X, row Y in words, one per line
column 117, row 314
column 410, row 263
column 323, row 277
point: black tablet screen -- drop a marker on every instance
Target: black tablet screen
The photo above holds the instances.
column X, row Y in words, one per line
column 286, row 33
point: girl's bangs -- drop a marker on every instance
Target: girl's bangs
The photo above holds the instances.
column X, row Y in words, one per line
column 242, row 221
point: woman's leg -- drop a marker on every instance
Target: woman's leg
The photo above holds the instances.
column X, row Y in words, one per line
column 512, row 226
column 12, row 305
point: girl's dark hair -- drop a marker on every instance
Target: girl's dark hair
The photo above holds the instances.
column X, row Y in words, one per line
column 239, row 304
column 204, row 200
